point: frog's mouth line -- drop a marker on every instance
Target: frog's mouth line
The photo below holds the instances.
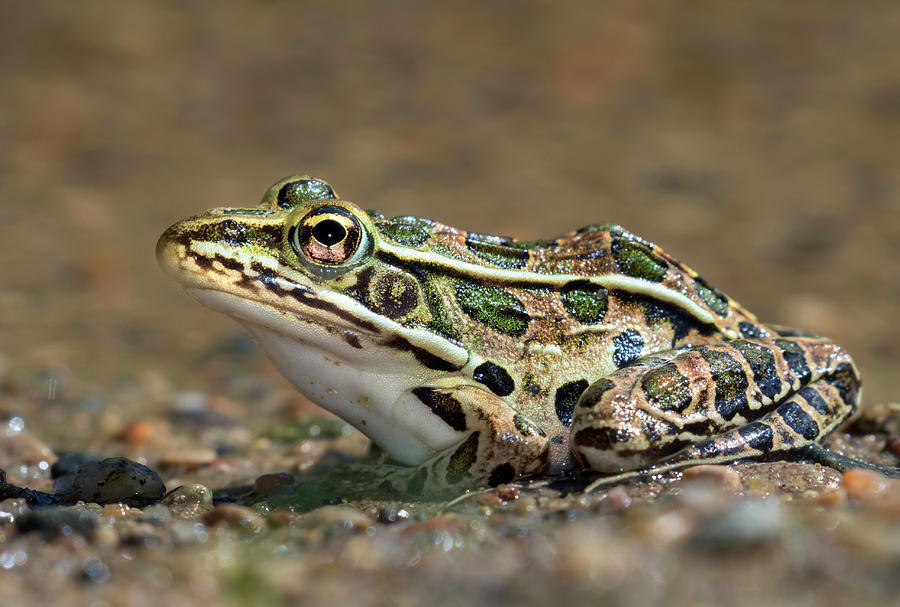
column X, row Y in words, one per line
column 280, row 319
column 287, row 322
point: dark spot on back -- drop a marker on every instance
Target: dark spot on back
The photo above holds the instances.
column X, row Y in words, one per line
column 585, row 301
column 637, row 260
column 666, row 388
column 712, row 297
column 730, row 380
column 495, row 378
column 566, row 397
column 595, row 392
column 627, row 346
column 497, row 308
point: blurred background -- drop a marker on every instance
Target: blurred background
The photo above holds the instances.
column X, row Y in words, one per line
column 756, row 141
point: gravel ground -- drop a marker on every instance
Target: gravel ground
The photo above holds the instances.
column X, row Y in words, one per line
column 755, row 141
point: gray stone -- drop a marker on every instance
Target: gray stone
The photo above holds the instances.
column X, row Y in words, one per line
column 117, row 479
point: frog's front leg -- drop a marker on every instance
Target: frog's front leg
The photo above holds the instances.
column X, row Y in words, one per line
column 741, row 398
column 490, row 443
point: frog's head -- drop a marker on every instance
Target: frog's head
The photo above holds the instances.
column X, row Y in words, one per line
column 303, row 272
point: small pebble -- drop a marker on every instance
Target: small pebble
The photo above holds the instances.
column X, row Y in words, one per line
column 490, row 499
column 392, row 514
column 282, row 518
column 723, row 476
column 236, row 517
column 188, row 459
column 336, row 516
column 55, row 521
column 507, row 493
column 864, row 484
column 117, row 479
column 119, row 510
column 267, row 484
column 142, row 432
column 744, row 524
column 189, row 501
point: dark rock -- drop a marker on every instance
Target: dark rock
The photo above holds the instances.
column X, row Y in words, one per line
column 117, row 479
column 32, row 497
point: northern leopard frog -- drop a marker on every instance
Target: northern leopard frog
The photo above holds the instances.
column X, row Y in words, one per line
column 481, row 359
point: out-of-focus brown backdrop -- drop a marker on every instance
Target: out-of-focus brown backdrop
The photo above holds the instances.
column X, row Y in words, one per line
column 757, row 142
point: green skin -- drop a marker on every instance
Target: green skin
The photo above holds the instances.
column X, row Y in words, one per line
column 479, row 359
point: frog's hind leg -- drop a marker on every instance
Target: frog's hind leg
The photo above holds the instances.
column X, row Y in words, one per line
column 741, row 398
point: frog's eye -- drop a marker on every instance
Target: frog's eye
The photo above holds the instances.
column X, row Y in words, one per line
column 329, row 235
column 303, row 190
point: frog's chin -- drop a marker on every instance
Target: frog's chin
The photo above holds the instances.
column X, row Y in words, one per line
column 364, row 397
column 375, row 343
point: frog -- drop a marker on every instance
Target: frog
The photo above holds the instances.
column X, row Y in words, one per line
column 479, row 360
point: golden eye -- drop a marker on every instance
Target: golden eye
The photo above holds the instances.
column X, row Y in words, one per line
column 329, row 235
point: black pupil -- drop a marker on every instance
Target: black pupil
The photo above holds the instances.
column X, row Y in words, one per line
column 329, row 232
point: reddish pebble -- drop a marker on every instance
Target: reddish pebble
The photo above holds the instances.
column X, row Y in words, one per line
column 272, row 483
column 507, row 493
column 863, row 484
column 722, row 475
column 141, row 432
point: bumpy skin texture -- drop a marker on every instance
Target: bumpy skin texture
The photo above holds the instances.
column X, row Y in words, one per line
column 507, row 357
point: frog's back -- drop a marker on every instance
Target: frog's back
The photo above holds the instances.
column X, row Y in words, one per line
column 597, row 256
